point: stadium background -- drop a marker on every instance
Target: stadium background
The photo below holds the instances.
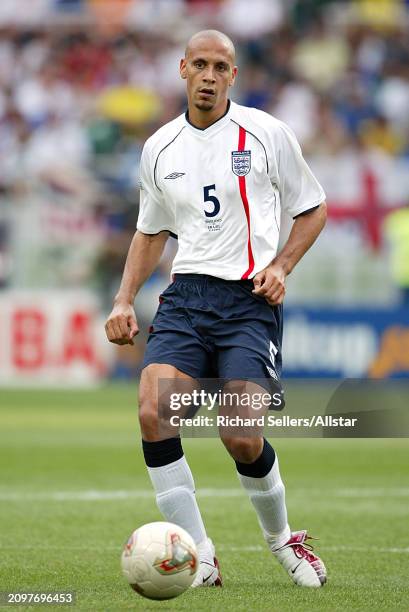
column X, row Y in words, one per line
column 83, row 83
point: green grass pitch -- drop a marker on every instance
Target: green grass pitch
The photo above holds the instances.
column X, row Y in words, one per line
column 73, row 486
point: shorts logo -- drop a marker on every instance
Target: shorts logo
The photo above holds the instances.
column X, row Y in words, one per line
column 272, row 372
column 241, row 162
column 273, row 350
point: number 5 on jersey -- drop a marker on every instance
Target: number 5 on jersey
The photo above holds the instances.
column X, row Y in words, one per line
column 211, row 198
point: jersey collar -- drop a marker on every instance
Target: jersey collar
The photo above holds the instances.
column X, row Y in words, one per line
column 214, row 127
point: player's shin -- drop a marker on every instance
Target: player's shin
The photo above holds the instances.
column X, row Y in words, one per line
column 175, row 490
column 265, row 488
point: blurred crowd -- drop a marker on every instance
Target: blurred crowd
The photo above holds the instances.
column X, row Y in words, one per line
column 84, row 82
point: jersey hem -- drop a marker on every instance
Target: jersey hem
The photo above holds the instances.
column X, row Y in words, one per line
column 207, row 272
column 307, row 207
column 152, row 232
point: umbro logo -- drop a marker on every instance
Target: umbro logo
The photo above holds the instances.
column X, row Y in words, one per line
column 175, row 175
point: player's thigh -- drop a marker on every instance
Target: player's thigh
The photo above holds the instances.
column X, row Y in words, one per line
column 158, row 382
column 248, row 342
column 152, row 375
column 257, row 364
column 173, row 339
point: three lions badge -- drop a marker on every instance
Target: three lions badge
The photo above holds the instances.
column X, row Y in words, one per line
column 241, row 162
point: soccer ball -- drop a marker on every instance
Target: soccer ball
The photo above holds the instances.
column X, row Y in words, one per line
column 160, row 560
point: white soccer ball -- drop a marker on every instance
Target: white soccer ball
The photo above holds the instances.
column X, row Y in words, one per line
column 160, row 560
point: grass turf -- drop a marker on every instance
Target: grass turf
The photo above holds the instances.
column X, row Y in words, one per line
column 73, row 486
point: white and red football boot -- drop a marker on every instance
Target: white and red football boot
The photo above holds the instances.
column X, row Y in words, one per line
column 297, row 558
column 208, row 573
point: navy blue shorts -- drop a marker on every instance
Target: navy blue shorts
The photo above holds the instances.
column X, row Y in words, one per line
column 212, row 328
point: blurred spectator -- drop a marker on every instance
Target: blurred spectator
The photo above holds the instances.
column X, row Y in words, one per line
column 397, row 231
column 250, row 21
column 392, row 98
column 297, row 105
column 321, row 56
column 383, row 14
column 305, row 12
column 56, row 145
column 256, row 87
column 352, row 102
column 69, row 5
column 379, row 134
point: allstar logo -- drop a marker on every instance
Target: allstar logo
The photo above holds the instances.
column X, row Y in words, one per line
column 175, row 175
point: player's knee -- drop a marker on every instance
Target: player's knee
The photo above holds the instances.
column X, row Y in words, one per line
column 244, row 450
column 148, row 420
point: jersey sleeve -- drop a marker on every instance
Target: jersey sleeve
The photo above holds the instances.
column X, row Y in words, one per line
column 299, row 189
column 154, row 215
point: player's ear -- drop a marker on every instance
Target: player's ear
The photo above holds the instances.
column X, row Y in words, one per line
column 182, row 68
column 233, row 76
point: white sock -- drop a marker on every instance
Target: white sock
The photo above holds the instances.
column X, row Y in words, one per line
column 176, row 499
column 267, row 495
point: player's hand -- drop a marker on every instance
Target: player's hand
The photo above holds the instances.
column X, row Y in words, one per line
column 121, row 325
column 270, row 284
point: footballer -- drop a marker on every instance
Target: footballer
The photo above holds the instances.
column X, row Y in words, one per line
column 217, row 177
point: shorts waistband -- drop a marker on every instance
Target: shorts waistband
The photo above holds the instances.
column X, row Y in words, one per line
column 207, row 278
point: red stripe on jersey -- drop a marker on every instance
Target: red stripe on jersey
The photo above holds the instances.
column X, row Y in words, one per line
column 243, row 193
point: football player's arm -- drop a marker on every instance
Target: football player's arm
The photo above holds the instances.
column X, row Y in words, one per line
column 143, row 257
column 303, row 198
column 270, row 282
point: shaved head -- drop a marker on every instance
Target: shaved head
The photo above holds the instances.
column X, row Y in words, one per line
column 209, row 69
column 208, row 36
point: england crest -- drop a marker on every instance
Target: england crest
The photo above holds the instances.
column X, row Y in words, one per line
column 241, row 162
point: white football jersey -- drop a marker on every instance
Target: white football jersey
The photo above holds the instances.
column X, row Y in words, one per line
column 220, row 190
